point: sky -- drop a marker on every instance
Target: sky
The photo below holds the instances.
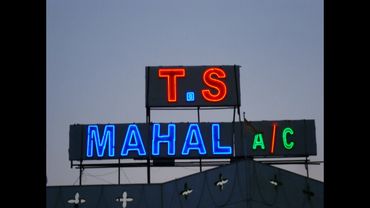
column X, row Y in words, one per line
column 97, row 52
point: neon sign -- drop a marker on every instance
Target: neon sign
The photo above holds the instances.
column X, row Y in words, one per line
column 259, row 142
column 189, row 86
column 176, row 140
column 193, row 140
column 288, row 138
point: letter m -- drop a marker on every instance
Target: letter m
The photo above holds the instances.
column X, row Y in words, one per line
column 100, row 144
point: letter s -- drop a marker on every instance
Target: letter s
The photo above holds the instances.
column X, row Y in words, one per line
column 214, row 83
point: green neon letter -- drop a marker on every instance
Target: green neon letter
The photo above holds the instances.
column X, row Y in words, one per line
column 286, row 144
column 258, row 141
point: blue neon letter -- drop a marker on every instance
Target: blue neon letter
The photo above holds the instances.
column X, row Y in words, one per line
column 100, row 144
column 216, row 148
column 197, row 144
column 137, row 145
column 169, row 138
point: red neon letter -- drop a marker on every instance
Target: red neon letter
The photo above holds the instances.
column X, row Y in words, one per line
column 273, row 138
column 215, row 84
column 171, row 76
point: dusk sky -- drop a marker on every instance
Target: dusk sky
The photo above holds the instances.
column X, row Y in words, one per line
column 97, row 52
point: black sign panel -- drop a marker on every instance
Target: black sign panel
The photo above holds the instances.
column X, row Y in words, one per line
column 289, row 138
column 158, row 140
column 192, row 86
